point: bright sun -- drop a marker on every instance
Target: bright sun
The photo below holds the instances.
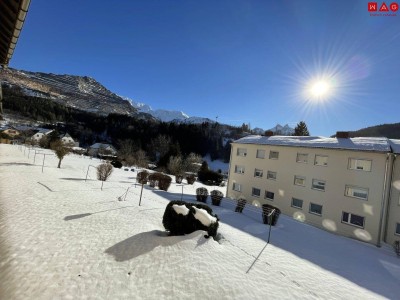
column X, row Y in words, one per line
column 320, row 89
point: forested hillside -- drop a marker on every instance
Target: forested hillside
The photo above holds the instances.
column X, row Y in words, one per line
column 89, row 128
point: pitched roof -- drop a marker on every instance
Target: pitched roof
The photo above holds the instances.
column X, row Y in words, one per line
column 395, row 145
column 377, row 144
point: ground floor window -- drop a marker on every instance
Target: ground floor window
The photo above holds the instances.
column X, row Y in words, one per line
column 255, row 192
column 353, row 219
column 315, row 209
column 297, row 203
column 269, row 195
column 397, row 228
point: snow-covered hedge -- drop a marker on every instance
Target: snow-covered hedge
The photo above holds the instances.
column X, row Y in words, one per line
column 181, row 218
column 201, row 194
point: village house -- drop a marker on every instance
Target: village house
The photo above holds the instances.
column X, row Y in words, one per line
column 348, row 186
column 67, row 139
column 102, row 149
column 40, row 134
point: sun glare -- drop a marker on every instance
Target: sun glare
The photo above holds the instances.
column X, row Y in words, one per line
column 320, row 89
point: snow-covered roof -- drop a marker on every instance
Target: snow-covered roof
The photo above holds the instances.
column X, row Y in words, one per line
column 101, row 145
column 395, row 144
column 378, row 144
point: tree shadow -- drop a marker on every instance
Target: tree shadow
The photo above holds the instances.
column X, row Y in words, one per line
column 145, row 242
column 79, row 216
column 73, row 179
column 16, row 163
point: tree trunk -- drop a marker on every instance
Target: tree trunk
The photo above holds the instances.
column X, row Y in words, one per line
column 59, row 163
column 102, row 184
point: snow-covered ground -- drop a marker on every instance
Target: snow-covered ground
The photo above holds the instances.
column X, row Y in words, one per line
column 216, row 164
column 64, row 238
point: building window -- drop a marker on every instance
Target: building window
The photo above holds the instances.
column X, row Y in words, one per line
column 353, row 219
column 237, row 187
column 397, row 229
column 269, row 195
column 258, row 173
column 297, row 203
column 241, row 152
column 315, row 209
column 321, row 160
column 318, row 185
column 271, row 175
column 302, row 158
column 360, row 164
column 273, row 155
column 260, row 153
column 356, row 192
column 255, row 192
column 239, row 169
column 299, row 180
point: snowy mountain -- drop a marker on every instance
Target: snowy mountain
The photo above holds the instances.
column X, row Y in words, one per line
column 80, row 92
column 166, row 115
column 282, row 130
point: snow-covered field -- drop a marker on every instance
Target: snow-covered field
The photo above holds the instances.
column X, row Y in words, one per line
column 64, row 238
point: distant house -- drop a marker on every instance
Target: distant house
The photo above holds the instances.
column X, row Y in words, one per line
column 41, row 133
column 67, row 139
column 11, row 132
column 102, row 150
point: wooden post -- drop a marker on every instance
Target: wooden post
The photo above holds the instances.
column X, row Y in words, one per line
column 141, row 192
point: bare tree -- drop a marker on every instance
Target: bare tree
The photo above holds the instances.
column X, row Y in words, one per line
column 160, row 145
column 176, row 165
column 60, row 149
column 192, row 162
column 141, row 159
column 103, row 172
column 126, row 150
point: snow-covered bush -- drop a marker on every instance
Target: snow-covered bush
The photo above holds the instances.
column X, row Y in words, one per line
column 153, row 179
column 116, row 164
column 160, row 180
column 216, row 197
column 103, row 172
column 190, row 178
column 241, row 203
column 181, row 218
column 164, row 182
column 273, row 218
column 178, row 179
column 201, row 194
column 142, row 177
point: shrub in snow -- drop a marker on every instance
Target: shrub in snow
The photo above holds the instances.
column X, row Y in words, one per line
column 210, row 177
column 116, row 164
column 190, row 178
column 273, row 218
column 178, row 178
column 153, row 179
column 164, row 182
column 241, row 203
column 103, row 172
column 216, row 197
column 159, row 180
column 142, row 177
column 201, row 194
column 181, row 218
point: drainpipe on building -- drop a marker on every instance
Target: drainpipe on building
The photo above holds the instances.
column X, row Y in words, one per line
column 384, row 198
column 389, row 197
column 229, row 171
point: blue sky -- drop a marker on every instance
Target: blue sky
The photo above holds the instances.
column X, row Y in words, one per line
column 243, row 61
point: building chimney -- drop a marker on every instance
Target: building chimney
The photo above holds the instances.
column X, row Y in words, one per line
column 342, row 134
column 269, row 133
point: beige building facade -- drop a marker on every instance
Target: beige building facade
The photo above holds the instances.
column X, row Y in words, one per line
column 340, row 185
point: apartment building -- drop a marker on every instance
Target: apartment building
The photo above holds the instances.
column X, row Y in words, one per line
column 344, row 185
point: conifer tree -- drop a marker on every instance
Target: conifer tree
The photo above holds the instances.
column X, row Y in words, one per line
column 301, row 129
